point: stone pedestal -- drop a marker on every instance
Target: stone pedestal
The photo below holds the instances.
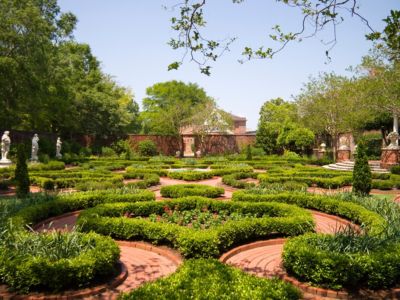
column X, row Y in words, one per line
column 343, row 155
column 389, row 158
column 4, row 163
column 188, row 145
column 321, row 154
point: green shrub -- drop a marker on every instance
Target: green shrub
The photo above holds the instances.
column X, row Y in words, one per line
column 210, row 279
column 56, row 261
column 234, row 180
column 382, row 184
column 309, row 260
column 147, row 180
column 249, row 155
column 190, row 175
column 147, row 148
column 362, row 173
column 395, row 170
column 108, row 152
column 182, row 190
column 277, row 218
column 21, row 173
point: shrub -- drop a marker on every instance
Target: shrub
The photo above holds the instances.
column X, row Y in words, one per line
column 147, row 148
column 56, row 261
column 249, row 155
column 147, row 180
column 190, row 175
column 234, row 180
column 382, row 184
column 192, row 278
column 108, row 152
column 182, row 190
column 362, row 172
column 21, row 173
column 277, row 218
column 395, row 170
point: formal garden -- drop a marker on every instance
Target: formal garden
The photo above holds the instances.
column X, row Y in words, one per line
column 175, row 198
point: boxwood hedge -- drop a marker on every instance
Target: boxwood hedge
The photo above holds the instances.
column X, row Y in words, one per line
column 283, row 219
column 190, row 175
column 182, row 190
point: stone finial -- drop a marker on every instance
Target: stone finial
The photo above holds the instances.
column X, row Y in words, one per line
column 322, row 147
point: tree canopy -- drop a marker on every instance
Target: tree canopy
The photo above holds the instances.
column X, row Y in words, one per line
column 51, row 83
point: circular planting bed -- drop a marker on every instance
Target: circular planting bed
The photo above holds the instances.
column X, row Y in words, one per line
column 190, row 175
column 225, row 224
column 57, row 261
column 182, row 190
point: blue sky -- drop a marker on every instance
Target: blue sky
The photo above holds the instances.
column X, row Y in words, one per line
column 130, row 38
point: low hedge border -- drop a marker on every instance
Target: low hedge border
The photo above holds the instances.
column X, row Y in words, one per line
column 73, row 202
column 25, row 272
column 183, row 190
column 148, row 180
column 334, row 182
column 375, row 269
column 190, row 175
column 158, row 171
column 233, row 180
column 107, row 219
column 198, row 277
column 358, row 214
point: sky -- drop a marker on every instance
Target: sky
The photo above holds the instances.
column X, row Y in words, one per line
column 129, row 38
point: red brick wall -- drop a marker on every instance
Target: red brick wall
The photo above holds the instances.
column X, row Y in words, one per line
column 212, row 144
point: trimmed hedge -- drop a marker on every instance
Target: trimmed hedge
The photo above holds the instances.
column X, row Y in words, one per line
column 190, row 175
column 334, row 182
column 24, row 271
column 375, row 270
column 354, row 212
column 183, row 190
column 282, row 219
column 76, row 201
column 210, row 279
column 234, row 180
column 132, row 171
column 147, row 181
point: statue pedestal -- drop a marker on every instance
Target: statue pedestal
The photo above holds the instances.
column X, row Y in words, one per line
column 321, row 154
column 4, row 163
column 343, row 155
column 389, row 158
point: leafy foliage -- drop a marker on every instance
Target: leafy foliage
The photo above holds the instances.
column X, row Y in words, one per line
column 362, row 172
column 21, row 173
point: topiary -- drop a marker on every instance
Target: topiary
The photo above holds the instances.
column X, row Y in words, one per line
column 249, row 155
column 362, row 177
column 21, row 173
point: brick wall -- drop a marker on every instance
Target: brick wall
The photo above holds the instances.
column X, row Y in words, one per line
column 212, row 144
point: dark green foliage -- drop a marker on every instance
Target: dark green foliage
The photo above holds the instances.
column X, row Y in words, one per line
column 313, row 258
column 21, row 173
column 56, row 261
column 147, row 148
column 272, row 218
column 210, row 279
column 234, row 180
column 148, row 179
column 362, row 178
column 190, row 175
column 249, row 155
column 182, row 190
column 395, row 170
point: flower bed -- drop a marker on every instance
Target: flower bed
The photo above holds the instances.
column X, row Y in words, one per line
column 210, row 279
column 182, row 190
column 272, row 218
column 57, row 261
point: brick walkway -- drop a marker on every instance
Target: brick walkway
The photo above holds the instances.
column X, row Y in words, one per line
column 143, row 265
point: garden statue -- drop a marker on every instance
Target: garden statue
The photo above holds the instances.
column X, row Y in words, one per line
column 178, row 154
column 35, row 148
column 393, row 137
column 344, row 143
column 58, row 148
column 5, row 147
column 198, row 153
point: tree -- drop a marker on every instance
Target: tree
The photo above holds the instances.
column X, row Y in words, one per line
column 21, row 173
column 362, row 178
column 169, row 106
column 189, row 24
column 333, row 104
column 273, row 115
column 300, row 139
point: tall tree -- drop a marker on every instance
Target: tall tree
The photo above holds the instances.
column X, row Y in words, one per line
column 169, row 106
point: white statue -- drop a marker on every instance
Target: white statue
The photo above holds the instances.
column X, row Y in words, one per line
column 323, row 147
column 198, row 153
column 35, row 148
column 5, row 147
column 393, row 137
column 344, row 143
column 58, row 148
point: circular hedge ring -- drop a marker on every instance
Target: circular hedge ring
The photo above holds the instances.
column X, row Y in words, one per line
column 183, row 190
column 57, row 261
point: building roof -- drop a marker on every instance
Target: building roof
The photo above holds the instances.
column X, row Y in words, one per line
column 237, row 118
